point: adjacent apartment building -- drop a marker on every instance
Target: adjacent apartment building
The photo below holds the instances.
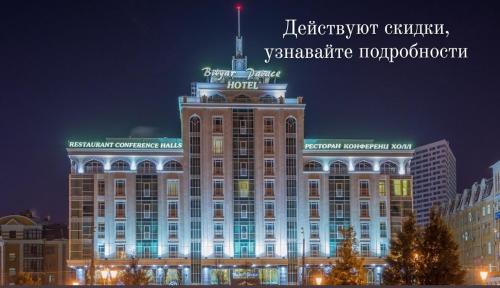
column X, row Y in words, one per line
column 25, row 251
column 233, row 199
column 434, row 178
column 473, row 219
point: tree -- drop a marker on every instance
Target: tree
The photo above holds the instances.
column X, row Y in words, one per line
column 438, row 255
column 134, row 275
column 348, row 268
column 26, row 278
column 402, row 261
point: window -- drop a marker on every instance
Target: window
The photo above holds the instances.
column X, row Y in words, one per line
column 268, row 188
column 147, row 211
column 172, row 230
column 120, row 210
column 147, row 252
column 120, row 230
column 268, row 210
column 365, row 249
column 268, row 167
column 339, row 210
column 364, row 209
column 383, row 209
column 313, row 209
column 314, row 248
column 339, row 189
column 340, row 228
column 338, row 168
column 101, row 229
column 217, row 124
column 269, row 250
column 12, row 271
column 219, row 250
column 218, row 168
column 12, row 256
column 400, row 187
column 313, row 188
column 100, row 251
column 218, row 210
column 100, row 188
column 244, row 211
column 363, row 166
column 172, row 187
column 120, row 251
column 217, row 145
column 381, row 188
column 93, row 167
column 383, row 250
column 243, row 127
column 101, row 209
column 388, row 168
column 147, row 232
column 383, row 230
column 172, row 166
column 268, row 125
column 364, row 188
column 314, row 230
column 218, row 188
column 120, row 165
column 243, row 169
column 218, row 230
column 269, row 229
column 244, row 251
column 172, row 209
column 146, row 192
column 365, row 230
column 243, row 146
column 173, row 251
column 146, row 167
column 120, row 188
column 244, row 232
column 313, row 166
column 268, row 146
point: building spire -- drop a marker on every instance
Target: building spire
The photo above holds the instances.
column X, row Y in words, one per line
column 239, row 61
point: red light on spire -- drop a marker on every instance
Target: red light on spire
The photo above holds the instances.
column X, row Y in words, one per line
column 238, row 6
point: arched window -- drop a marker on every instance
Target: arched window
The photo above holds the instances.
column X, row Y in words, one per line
column 268, row 99
column 146, row 167
column 291, row 126
column 363, row 166
column 120, row 165
column 172, row 165
column 313, row 166
column 242, row 99
column 217, row 98
column 388, row 168
column 338, row 168
column 93, row 167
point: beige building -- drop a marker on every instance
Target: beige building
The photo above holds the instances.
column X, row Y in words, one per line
column 24, row 250
column 471, row 216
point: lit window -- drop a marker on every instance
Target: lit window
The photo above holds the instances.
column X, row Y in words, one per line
column 172, row 230
column 381, row 188
column 218, row 230
column 269, row 250
column 268, row 146
column 218, row 186
column 269, row 228
column 365, row 230
column 364, row 209
column 268, row 167
column 313, row 209
column 314, row 249
column 172, row 187
column 218, row 145
column 268, row 210
column 314, row 230
column 120, row 210
column 218, row 210
column 217, row 124
column 120, row 230
column 313, row 188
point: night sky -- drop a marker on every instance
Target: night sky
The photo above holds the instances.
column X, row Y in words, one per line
column 95, row 69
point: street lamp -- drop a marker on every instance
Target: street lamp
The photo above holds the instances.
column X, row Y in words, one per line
column 483, row 275
column 318, row 280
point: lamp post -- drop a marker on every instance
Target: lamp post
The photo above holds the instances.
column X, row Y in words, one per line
column 484, row 275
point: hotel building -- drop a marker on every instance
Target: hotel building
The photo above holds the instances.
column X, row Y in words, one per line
column 434, row 178
column 234, row 199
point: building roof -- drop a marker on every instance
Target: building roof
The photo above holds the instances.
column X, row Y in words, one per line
column 16, row 220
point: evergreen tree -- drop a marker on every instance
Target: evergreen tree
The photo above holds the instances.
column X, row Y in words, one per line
column 402, row 265
column 348, row 268
column 134, row 275
column 438, row 257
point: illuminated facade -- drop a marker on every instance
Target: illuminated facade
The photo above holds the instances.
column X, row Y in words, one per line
column 234, row 198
